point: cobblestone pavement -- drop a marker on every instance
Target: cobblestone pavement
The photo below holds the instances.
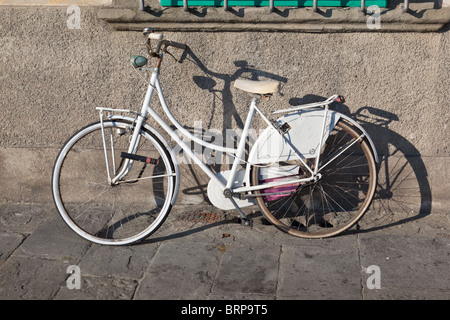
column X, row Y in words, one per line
column 202, row 254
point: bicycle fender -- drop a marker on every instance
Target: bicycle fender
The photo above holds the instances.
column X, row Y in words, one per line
column 305, row 127
column 356, row 124
column 303, row 137
column 166, row 144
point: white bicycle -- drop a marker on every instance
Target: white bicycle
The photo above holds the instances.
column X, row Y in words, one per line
column 312, row 172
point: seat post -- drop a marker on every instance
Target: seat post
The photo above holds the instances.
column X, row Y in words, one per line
column 241, row 146
column 259, row 97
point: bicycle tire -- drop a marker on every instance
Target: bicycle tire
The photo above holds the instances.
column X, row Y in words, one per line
column 119, row 214
column 328, row 206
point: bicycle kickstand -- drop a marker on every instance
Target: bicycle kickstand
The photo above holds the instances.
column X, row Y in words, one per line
column 245, row 221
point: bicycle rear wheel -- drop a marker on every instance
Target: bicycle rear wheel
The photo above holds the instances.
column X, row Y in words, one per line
column 105, row 213
column 333, row 203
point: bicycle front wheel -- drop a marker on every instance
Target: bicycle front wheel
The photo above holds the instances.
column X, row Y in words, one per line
column 113, row 213
column 335, row 202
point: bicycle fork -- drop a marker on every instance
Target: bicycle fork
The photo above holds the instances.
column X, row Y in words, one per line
column 134, row 142
column 127, row 157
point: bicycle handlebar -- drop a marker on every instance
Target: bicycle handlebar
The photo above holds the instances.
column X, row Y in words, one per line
column 159, row 37
column 175, row 44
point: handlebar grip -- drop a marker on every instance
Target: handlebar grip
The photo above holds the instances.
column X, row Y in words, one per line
column 177, row 45
column 155, row 36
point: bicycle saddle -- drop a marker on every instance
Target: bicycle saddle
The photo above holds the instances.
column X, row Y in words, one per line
column 257, row 86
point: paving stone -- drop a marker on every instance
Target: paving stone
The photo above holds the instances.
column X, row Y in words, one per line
column 54, row 240
column 410, row 267
column 248, row 270
column 405, row 294
column 180, row 270
column 128, row 262
column 8, row 243
column 320, row 269
column 31, row 278
column 99, row 288
column 23, row 218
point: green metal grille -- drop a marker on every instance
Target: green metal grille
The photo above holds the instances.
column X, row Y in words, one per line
column 277, row 3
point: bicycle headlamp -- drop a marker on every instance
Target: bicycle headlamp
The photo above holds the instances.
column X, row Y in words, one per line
column 138, row 61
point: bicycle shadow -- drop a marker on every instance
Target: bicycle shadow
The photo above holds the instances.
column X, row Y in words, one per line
column 222, row 101
column 403, row 191
column 173, row 228
column 207, row 82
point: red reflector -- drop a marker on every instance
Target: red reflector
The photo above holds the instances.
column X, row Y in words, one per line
column 152, row 161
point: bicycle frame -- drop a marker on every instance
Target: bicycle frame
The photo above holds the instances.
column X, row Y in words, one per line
column 300, row 170
column 225, row 184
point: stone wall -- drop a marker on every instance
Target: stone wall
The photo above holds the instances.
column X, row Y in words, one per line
column 396, row 84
